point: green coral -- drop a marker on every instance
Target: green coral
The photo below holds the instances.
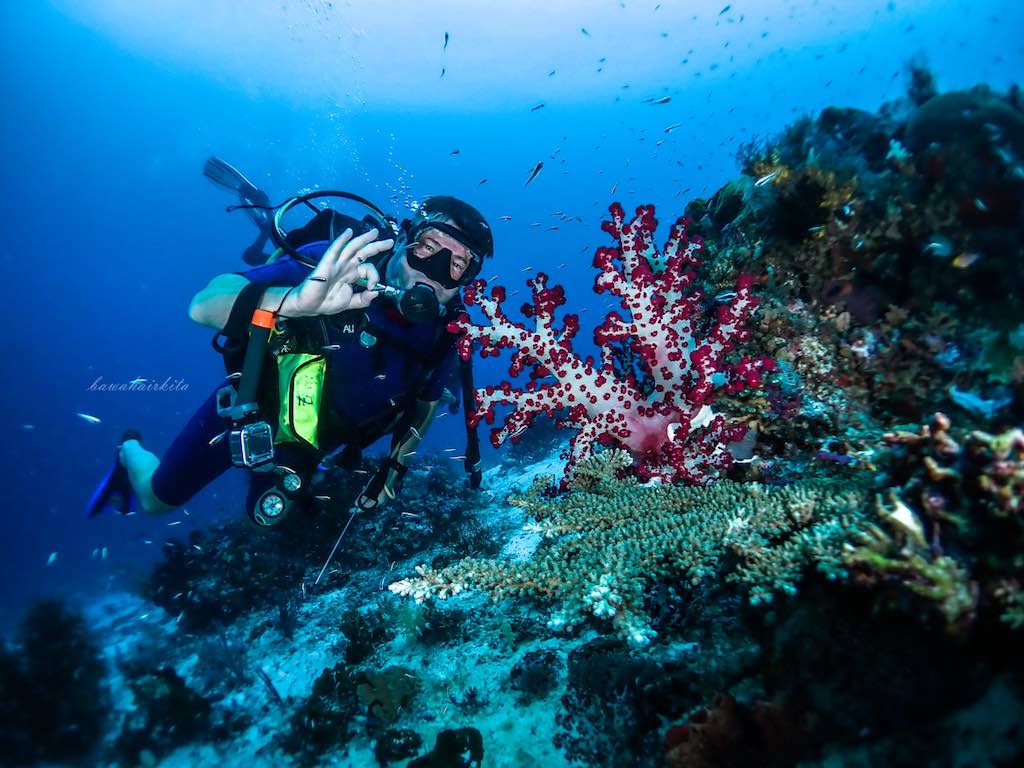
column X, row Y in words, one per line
column 614, row 537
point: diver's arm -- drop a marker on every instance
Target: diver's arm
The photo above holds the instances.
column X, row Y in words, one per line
column 328, row 290
column 212, row 305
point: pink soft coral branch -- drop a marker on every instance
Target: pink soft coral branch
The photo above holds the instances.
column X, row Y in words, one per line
column 672, row 432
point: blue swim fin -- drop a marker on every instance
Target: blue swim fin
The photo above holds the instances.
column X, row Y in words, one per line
column 115, row 489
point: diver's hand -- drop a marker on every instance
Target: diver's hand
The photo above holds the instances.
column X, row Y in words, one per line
column 382, row 488
column 329, row 288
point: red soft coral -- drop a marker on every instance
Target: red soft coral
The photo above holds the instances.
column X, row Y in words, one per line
column 672, row 432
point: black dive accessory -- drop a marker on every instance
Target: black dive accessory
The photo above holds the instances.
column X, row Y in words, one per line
column 250, row 438
column 276, row 496
column 438, row 265
column 418, row 304
column 384, row 224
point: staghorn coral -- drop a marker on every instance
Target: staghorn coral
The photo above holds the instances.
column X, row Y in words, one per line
column 612, row 538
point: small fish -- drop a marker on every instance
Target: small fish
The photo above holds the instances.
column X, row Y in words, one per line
column 584, row 31
column 939, row 246
column 51, row 559
column 445, row 47
column 442, row 72
column 450, row 450
column 454, row 152
column 176, row 522
column 138, row 380
column 552, row 228
column 87, row 417
column 538, row 106
column 534, row 172
column 670, row 128
column 504, row 218
column 815, row 229
column 456, row 458
column 416, row 432
column 980, row 205
column 614, row 187
column 551, row 73
column 380, row 376
column 526, row 269
column 965, row 259
column 103, row 553
column 662, row 100
column 725, row 296
column 28, row 427
column 217, row 438
column 410, row 453
column 536, row 225
column 482, row 182
column 724, row 10
column 331, row 347
column 95, row 553
column 765, row 179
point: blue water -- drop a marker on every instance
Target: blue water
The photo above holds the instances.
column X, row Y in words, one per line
column 110, row 109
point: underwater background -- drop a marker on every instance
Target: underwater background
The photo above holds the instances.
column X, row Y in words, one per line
column 843, row 589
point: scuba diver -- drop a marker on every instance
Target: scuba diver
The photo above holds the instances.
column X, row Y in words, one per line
column 336, row 339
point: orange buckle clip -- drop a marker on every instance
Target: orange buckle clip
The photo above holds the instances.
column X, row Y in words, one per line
column 263, row 318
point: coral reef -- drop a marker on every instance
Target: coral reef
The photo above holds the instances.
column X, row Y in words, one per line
column 615, row 702
column 729, row 733
column 53, row 695
column 326, row 720
column 167, row 715
column 458, row 748
column 613, row 538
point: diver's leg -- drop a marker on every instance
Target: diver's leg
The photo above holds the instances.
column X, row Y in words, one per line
column 141, row 465
column 193, row 460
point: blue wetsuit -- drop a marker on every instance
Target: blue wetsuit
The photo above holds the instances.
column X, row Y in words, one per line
column 365, row 385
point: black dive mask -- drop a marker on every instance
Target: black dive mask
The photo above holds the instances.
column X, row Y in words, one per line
column 438, row 265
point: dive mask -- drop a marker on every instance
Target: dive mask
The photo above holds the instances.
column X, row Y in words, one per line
column 438, row 265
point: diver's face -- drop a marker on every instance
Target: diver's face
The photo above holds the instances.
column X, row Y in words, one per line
column 402, row 274
column 433, row 240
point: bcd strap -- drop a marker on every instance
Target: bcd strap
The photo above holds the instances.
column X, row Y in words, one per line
column 236, row 330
